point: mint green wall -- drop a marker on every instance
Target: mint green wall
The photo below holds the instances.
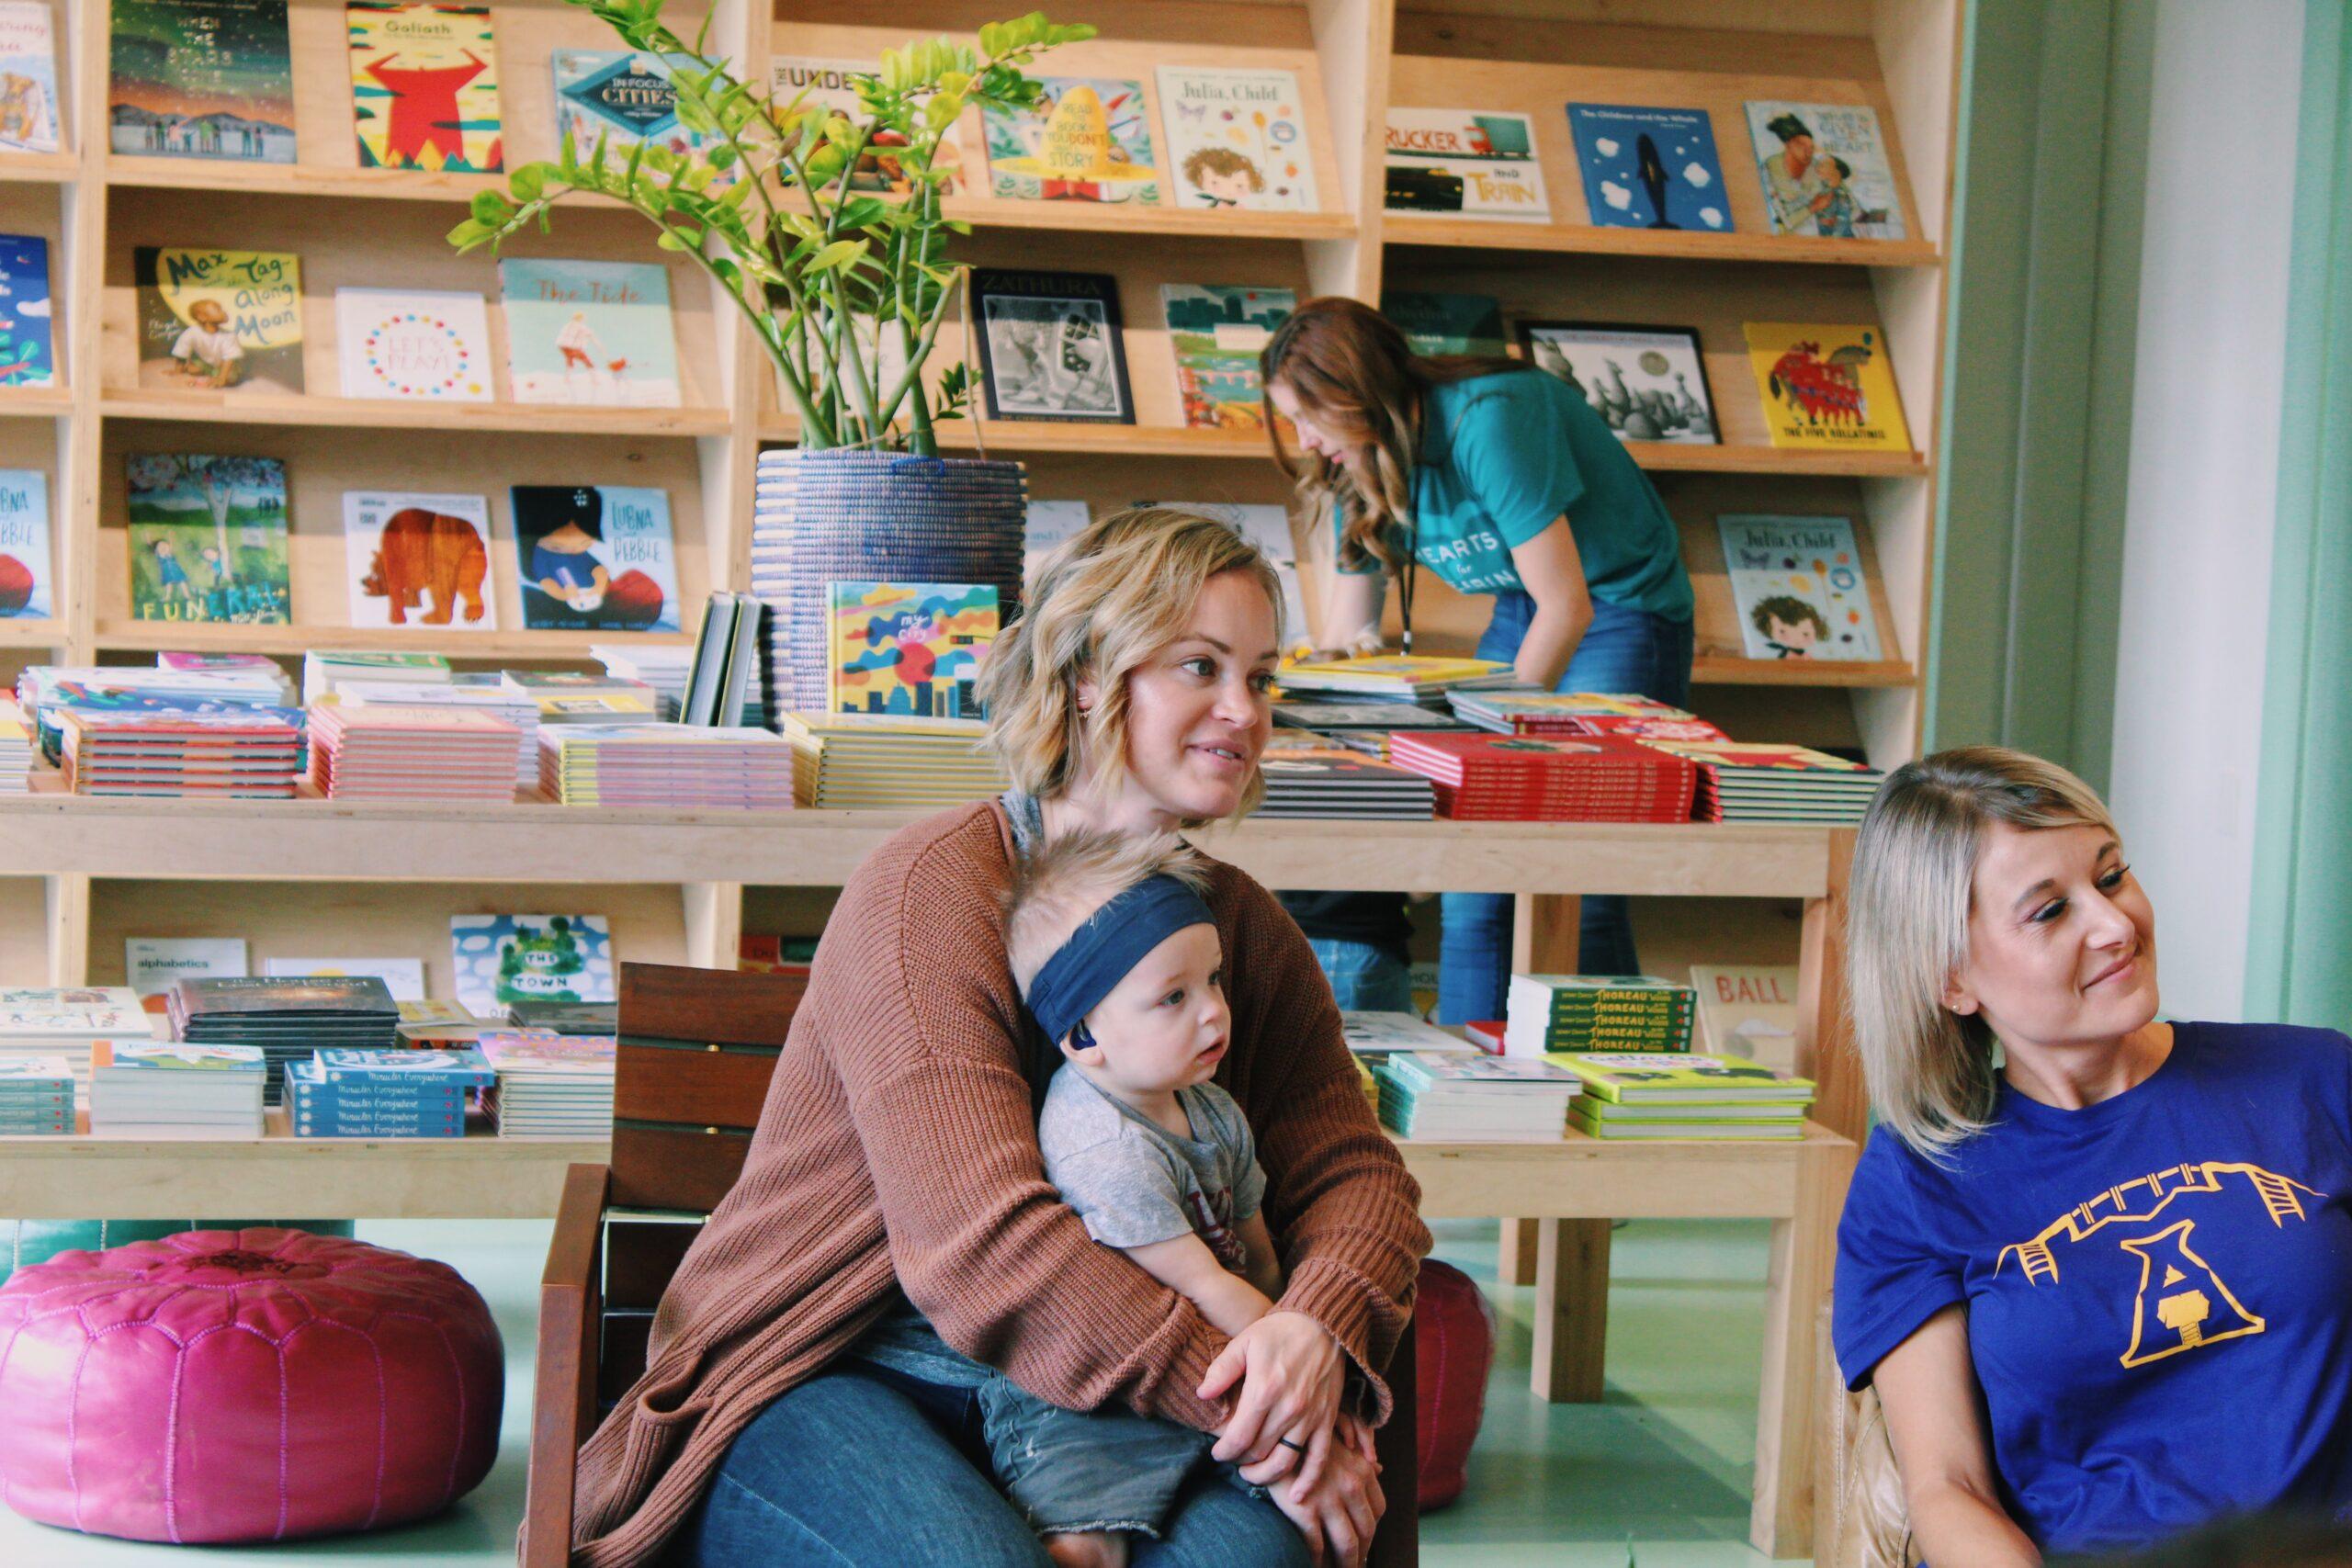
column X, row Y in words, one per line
column 2037, row 376
column 2299, row 963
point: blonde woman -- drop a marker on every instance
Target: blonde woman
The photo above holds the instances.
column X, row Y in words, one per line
column 1503, row 481
column 811, row 1396
column 2098, row 1264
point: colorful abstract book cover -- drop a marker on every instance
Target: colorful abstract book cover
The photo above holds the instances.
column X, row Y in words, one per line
column 1649, row 168
column 429, row 345
column 418, row 559
column 1466, row 164
column 28, row 78
column 218, row 321
column 1645, row 383
column 425, row 88
column 580, row 332
column 201, row 79
column 1236, row 139
column 830, row 85
column 1447, row 324
column 1217, row 331
column 908, row 648
column 1087, row 139
column 1826, row 388
column 512, row 958
column 1825, row 170
column 595, row 557
column 622, row 98
column 1799, row 586
column 27, row 344
column 24, row 546
column 207, row 539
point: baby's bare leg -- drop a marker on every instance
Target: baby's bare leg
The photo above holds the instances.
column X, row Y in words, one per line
column 1088, row 1548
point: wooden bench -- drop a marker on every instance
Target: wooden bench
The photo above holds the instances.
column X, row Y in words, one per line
column 697, row 1047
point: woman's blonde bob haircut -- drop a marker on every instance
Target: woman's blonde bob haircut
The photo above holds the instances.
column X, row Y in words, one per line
column 1929, row 1069
column 1099, row 607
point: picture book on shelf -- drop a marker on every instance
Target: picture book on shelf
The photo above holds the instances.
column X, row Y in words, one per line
column 418, row 559
column 584, row 331
column 1645, row 383
column 1236, row 138
column 1217, row 331
column 28, row 78
column 152, row 962
column 1826, row 388
column 1447, row 323
column 25, row 568
column 425, row 88
column 207, row 539
column 1050, row 345
column 218, row 321
column 623, row 98
column 1749, row 1010
column 201, row 79
column 829, row 85
column 429, row 345
column 1825, row 170
column 1086, row 139
column 512, row 958
column 1649, row 168
column 595, row 557
column 28, row 342
column 1466, row 164
column 907, row 648
column 1799, row 586
column 404, row 977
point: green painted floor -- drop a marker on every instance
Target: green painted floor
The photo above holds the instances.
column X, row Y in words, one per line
column 1663, row 1463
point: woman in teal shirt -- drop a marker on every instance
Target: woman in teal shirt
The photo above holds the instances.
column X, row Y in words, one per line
column 1503, row 481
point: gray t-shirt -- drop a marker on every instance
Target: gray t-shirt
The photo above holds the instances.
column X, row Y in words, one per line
column 1134, row 1183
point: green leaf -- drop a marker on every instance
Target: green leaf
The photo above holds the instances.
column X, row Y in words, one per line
column 840, row 254
column 670, row 241
column 491, row 208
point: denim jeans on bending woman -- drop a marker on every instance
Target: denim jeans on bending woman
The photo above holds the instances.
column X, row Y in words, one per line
column 862, row 1467
column 1625, row 651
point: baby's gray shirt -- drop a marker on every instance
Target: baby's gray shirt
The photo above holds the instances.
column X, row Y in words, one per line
column 1134, row 1183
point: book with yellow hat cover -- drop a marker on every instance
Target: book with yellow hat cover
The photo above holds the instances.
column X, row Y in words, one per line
column 1086, row 139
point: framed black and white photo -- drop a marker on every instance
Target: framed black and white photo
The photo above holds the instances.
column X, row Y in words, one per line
column 1645, row 383
column 1049, row 347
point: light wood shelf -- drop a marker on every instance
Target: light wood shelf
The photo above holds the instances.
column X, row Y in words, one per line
column 35, row 403
column 1584, row 239
column 292, row 641
column 386, row 413
column 1831, row 673
column 46, row 631
column 132, row 172
column 1098, row 218
column 39, row 168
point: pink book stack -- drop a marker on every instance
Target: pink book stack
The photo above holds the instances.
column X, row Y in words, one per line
column 412, row 754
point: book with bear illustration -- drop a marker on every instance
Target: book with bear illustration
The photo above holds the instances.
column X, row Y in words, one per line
column 418, row 559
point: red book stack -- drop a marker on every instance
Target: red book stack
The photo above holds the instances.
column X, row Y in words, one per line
column 240, row 754
column 1533, row 778
column 413, row 754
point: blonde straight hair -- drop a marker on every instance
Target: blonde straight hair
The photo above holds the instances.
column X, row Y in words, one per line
column 1929, row 1069
column 1099, row 607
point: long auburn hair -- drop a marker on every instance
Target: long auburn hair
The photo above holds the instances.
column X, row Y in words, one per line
column 1354, row 374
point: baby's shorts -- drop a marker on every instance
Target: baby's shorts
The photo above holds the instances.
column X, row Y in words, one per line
column 1090, row 1469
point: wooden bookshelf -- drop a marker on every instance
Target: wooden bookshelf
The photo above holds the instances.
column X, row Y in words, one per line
column 1406, row 228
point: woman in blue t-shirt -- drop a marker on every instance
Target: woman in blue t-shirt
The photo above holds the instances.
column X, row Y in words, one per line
column 2102, row 1280
column 1503, row 481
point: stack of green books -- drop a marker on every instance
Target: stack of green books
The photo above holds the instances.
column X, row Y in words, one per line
column 1639, row 1095
column 1597, row 1012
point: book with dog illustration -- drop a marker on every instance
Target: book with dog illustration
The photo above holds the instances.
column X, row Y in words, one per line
column 582, row 332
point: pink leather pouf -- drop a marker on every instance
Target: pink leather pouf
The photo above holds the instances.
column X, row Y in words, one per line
column 1453, row 1328
column 243, row 1386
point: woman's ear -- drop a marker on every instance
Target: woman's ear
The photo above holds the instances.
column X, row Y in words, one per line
column 1959, row 998
column 1086, row 690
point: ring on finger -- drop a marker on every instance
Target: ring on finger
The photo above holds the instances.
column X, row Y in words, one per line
column 1294, row 1448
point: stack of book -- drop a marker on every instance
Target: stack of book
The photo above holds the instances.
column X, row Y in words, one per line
column 1520, row 710
column 15, row 748
column 1487, row 1034
column 1410, row 677
column 288, row 1019
column 39, row 1021
column 724, row 685
column 875, row 759
column 1751, row 782
column 1474, row 1098
column 36, row 1097
column 43, row 690
column 662, row 666
column 252, row 753
column 565, row 698
column 1308, row 776
column 1362, row 725
column 328, row 671
column 1597, row 1012
column 530, row 1014
column 1636, row 1095
column 1374, row 1036
column 391, row 752
column 176, row 1090
column 401, row 1093
column 1527, row 778
column 688, row 767
column 484, row 694
column 550, row 1085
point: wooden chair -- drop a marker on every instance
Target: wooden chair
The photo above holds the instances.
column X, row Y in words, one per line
column 697, row 1048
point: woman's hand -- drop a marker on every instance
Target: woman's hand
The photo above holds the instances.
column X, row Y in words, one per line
column 1338, row 1512
column 1290, row 1371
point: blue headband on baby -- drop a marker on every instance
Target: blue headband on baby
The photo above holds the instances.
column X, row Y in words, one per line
column 1113, row 941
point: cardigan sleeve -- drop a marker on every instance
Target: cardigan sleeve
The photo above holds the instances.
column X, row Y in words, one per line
column 1344, row 1209
column 928, row 1033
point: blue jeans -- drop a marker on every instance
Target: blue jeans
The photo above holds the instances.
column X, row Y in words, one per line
column 1364, row 978
column 1625, row 651
column 860, row 1468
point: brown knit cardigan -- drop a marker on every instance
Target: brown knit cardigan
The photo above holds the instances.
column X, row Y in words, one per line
column 899, row 1142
